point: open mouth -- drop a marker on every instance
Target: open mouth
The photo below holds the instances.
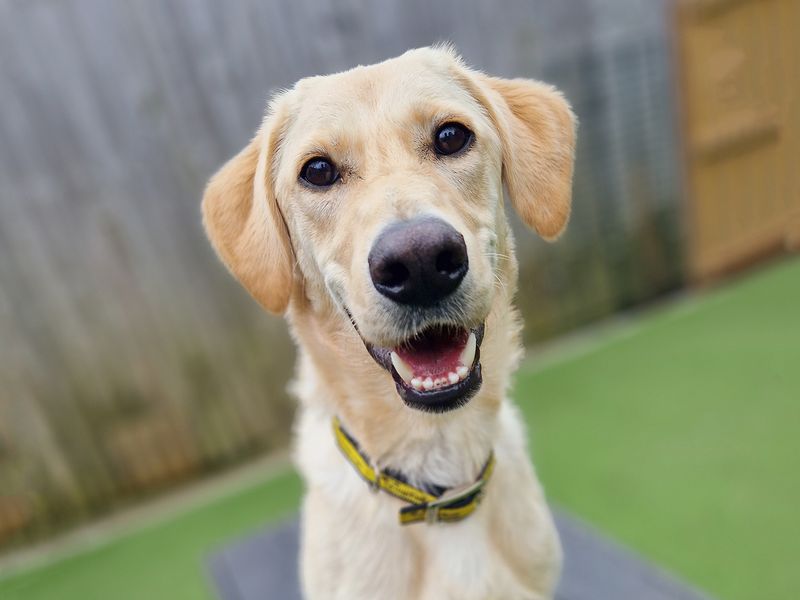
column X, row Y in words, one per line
column 436, row 370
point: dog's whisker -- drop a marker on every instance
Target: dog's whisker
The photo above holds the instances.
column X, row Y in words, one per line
column 498, row 254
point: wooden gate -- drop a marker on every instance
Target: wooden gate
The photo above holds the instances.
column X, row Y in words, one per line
column 740, row 82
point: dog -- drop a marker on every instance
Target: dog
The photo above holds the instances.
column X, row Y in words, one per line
column 369, row 210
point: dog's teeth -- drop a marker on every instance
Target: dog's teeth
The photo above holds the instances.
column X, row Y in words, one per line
column 462, row 372
column 416, row 383
column 428, row 383
column 452, row 378
column 468, row 354
column 402, row 368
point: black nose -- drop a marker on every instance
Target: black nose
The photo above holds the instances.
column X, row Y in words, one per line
column 418, row 262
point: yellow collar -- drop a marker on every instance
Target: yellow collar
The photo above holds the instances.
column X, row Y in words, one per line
column 447, row 506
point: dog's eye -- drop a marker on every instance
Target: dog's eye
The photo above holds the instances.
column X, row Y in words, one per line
column 450, row 138
column 319, row 172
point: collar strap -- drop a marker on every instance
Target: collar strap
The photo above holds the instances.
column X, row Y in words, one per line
column 449, row 505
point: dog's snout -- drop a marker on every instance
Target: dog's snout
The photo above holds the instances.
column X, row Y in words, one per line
column 419, row 261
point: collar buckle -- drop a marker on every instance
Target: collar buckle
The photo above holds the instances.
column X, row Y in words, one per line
column 474, row 490
column 454, row 495
column 432, row 514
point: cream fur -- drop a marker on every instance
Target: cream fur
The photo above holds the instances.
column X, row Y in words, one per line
column 303, row 253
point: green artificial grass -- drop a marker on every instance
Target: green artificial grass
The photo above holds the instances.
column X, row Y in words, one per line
column 682, row 437
column 679, row 436
column 164, row 561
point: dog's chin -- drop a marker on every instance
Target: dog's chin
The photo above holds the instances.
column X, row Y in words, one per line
column 436, row 370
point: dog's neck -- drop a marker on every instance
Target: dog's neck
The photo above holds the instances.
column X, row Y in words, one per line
column 341, row 379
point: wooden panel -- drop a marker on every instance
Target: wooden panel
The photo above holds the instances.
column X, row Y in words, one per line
column 741, row 84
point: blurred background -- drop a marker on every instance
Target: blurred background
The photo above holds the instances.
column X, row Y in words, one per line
column 131, row 364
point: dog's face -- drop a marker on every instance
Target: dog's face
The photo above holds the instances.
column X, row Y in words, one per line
column 380, row 191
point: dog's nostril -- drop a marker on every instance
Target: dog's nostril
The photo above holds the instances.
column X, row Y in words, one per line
column 394, row 274
column 449, row 262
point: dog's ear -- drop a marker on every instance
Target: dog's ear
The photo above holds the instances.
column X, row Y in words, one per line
column 243, row 220
column 537, row 133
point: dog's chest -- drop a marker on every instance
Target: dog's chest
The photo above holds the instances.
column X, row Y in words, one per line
column 378, row 558
column 462, row 562
column 367, row 553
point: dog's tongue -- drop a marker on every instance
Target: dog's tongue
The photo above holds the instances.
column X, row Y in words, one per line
column 435, row 353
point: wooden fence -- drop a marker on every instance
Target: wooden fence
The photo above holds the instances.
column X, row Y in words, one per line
column 741, row 87
column 129, row 359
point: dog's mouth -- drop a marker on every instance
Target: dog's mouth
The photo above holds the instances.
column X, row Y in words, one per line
column 436, row 370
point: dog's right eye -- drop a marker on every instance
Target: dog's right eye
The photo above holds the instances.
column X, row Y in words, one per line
column 451, row 138
column 319, row 172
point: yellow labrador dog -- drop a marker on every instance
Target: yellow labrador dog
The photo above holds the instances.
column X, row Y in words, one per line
column 368, row 209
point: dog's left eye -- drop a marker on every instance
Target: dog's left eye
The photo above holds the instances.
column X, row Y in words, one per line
column 319, row 172
column 450, row 138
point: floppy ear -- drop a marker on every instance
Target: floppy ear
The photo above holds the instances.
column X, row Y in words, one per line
column 537, row 133
column 243, row 220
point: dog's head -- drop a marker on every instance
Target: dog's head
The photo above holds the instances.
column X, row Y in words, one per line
column 377, row 194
